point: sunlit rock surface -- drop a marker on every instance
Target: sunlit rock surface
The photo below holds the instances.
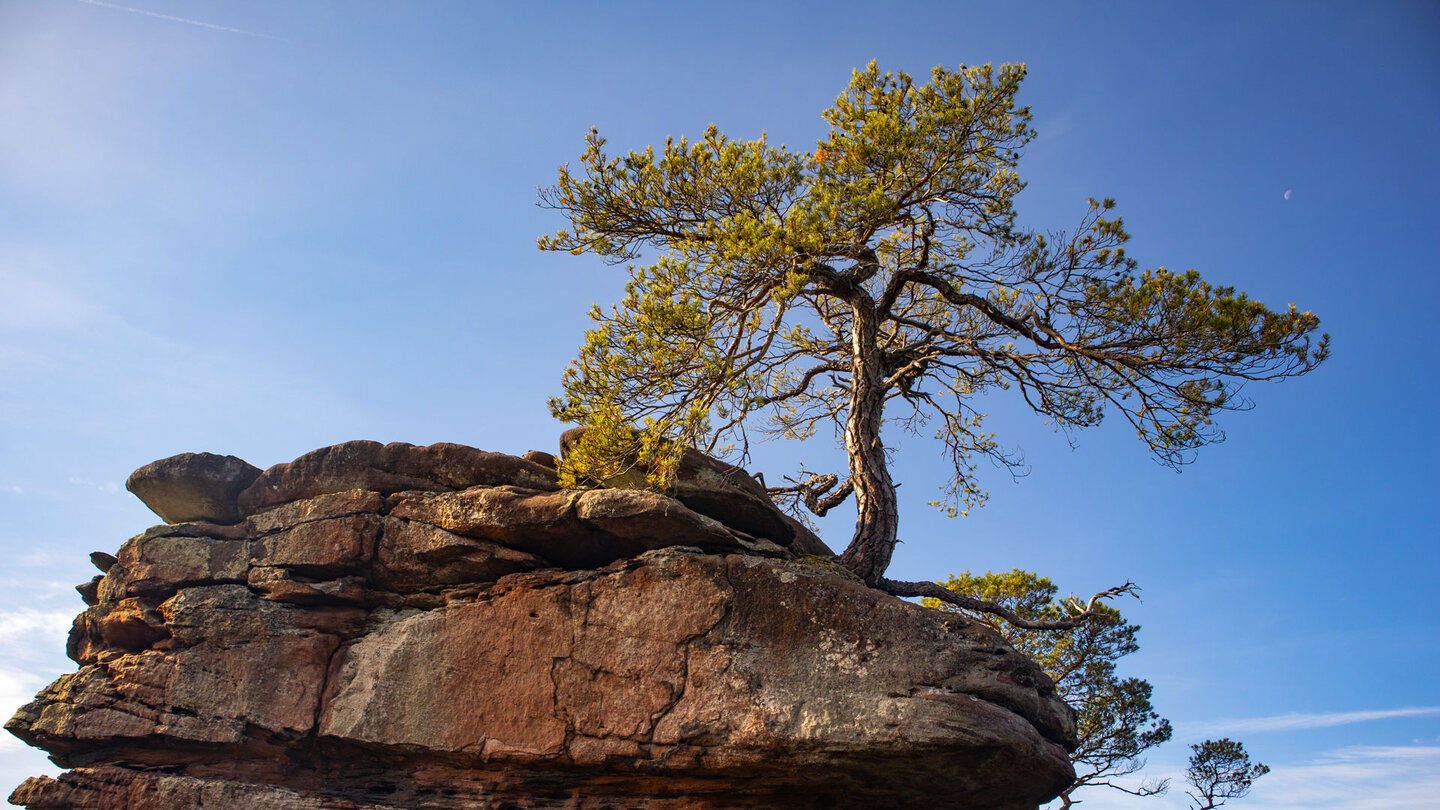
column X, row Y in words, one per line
column 390, row 626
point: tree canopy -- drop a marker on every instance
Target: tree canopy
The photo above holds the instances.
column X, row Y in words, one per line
column 882, row 278
column 1115, row 722
column 1220, row 770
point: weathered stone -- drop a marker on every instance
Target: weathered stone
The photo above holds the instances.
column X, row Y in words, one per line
column 331, row 505
column 542, row 458
column 284, row 585
column 806, row 541
column 227, row 614
column 356, row 646
column 708, row 490
column 132, row 624
column 578, row 529
column 90, row 591
column 158, row 564
column 730, row 664
column 725, row 493
column 193, row 486
column 112, row 788
column 124, row 700
column 322, row 548
column 102, row 560
column 541, row 523
column 650, row 520
column 241, row 668
column 388, row 468
column 125, row 625
column 414, row 556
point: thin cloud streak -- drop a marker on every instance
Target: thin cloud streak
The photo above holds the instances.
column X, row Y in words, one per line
column 1356, row 778
column 185, row 20
column 1296, row 721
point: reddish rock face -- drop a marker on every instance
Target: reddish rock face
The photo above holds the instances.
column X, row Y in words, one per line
column 505, row 646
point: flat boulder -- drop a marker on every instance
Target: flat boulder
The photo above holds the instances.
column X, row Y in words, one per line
column 389, row 468
column 193, row 487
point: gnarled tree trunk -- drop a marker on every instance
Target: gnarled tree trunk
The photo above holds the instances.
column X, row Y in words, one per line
column 877, row 516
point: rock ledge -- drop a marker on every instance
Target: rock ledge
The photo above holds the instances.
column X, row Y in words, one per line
column 390, row 626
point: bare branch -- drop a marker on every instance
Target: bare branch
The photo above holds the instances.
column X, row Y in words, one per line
column 811, row 489
column 934, row 591
column 1148, row 788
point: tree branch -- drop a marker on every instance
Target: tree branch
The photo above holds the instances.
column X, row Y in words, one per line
column 935, row 591
column 1148, row 788
column 811, row 489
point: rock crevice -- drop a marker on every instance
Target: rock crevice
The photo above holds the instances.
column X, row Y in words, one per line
column 391, row 626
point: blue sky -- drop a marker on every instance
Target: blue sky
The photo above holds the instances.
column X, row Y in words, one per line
column 259, row 228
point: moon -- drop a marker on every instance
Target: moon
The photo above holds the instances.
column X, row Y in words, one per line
column 1287, row 193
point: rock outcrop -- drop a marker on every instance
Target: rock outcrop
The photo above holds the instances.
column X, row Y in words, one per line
column 389, row 626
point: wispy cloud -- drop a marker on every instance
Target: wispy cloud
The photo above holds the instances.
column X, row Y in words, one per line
column 172, row 18
column 28, row 621
column 1296, row 721
column 1356, row 778
column 107, row 487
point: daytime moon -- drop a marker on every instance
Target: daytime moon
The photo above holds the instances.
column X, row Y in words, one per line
column 1287, row 193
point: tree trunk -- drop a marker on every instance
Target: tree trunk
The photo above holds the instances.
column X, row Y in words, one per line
column 877, row 518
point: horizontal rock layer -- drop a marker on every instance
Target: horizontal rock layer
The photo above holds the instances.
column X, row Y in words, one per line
column 502, row 644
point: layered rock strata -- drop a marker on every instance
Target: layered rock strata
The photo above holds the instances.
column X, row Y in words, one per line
column 389, row 626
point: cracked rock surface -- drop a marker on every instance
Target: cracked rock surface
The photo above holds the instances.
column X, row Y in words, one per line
column 387, row 627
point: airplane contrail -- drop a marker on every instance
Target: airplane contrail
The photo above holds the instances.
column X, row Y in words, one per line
column 212, row 26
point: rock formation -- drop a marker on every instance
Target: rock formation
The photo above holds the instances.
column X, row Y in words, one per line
column 391, row 626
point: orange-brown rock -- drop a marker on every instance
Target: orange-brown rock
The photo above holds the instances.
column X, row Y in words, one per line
column 387, row 468
column 458, row 645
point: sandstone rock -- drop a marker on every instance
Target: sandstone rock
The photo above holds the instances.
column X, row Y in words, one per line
column 731, row 681
column 90, row 591
column 730, row 495
column 542, row 458
column 159, row 563
column 650, row 520
column 730, row 665
column 193, row 486
column 280, row 584
column 416, row 556
column 352, row 645
column 102, row 560
column 806, row 541
column 389, row 468
column 323, row 548
column 522, row 518
column 322, row 507
column 580, row 529
column 112, row 788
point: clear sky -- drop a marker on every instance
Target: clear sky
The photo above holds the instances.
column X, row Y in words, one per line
column 261, row 227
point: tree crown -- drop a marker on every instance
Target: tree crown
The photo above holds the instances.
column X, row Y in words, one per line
column 882, row 276
column 1220, row 770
